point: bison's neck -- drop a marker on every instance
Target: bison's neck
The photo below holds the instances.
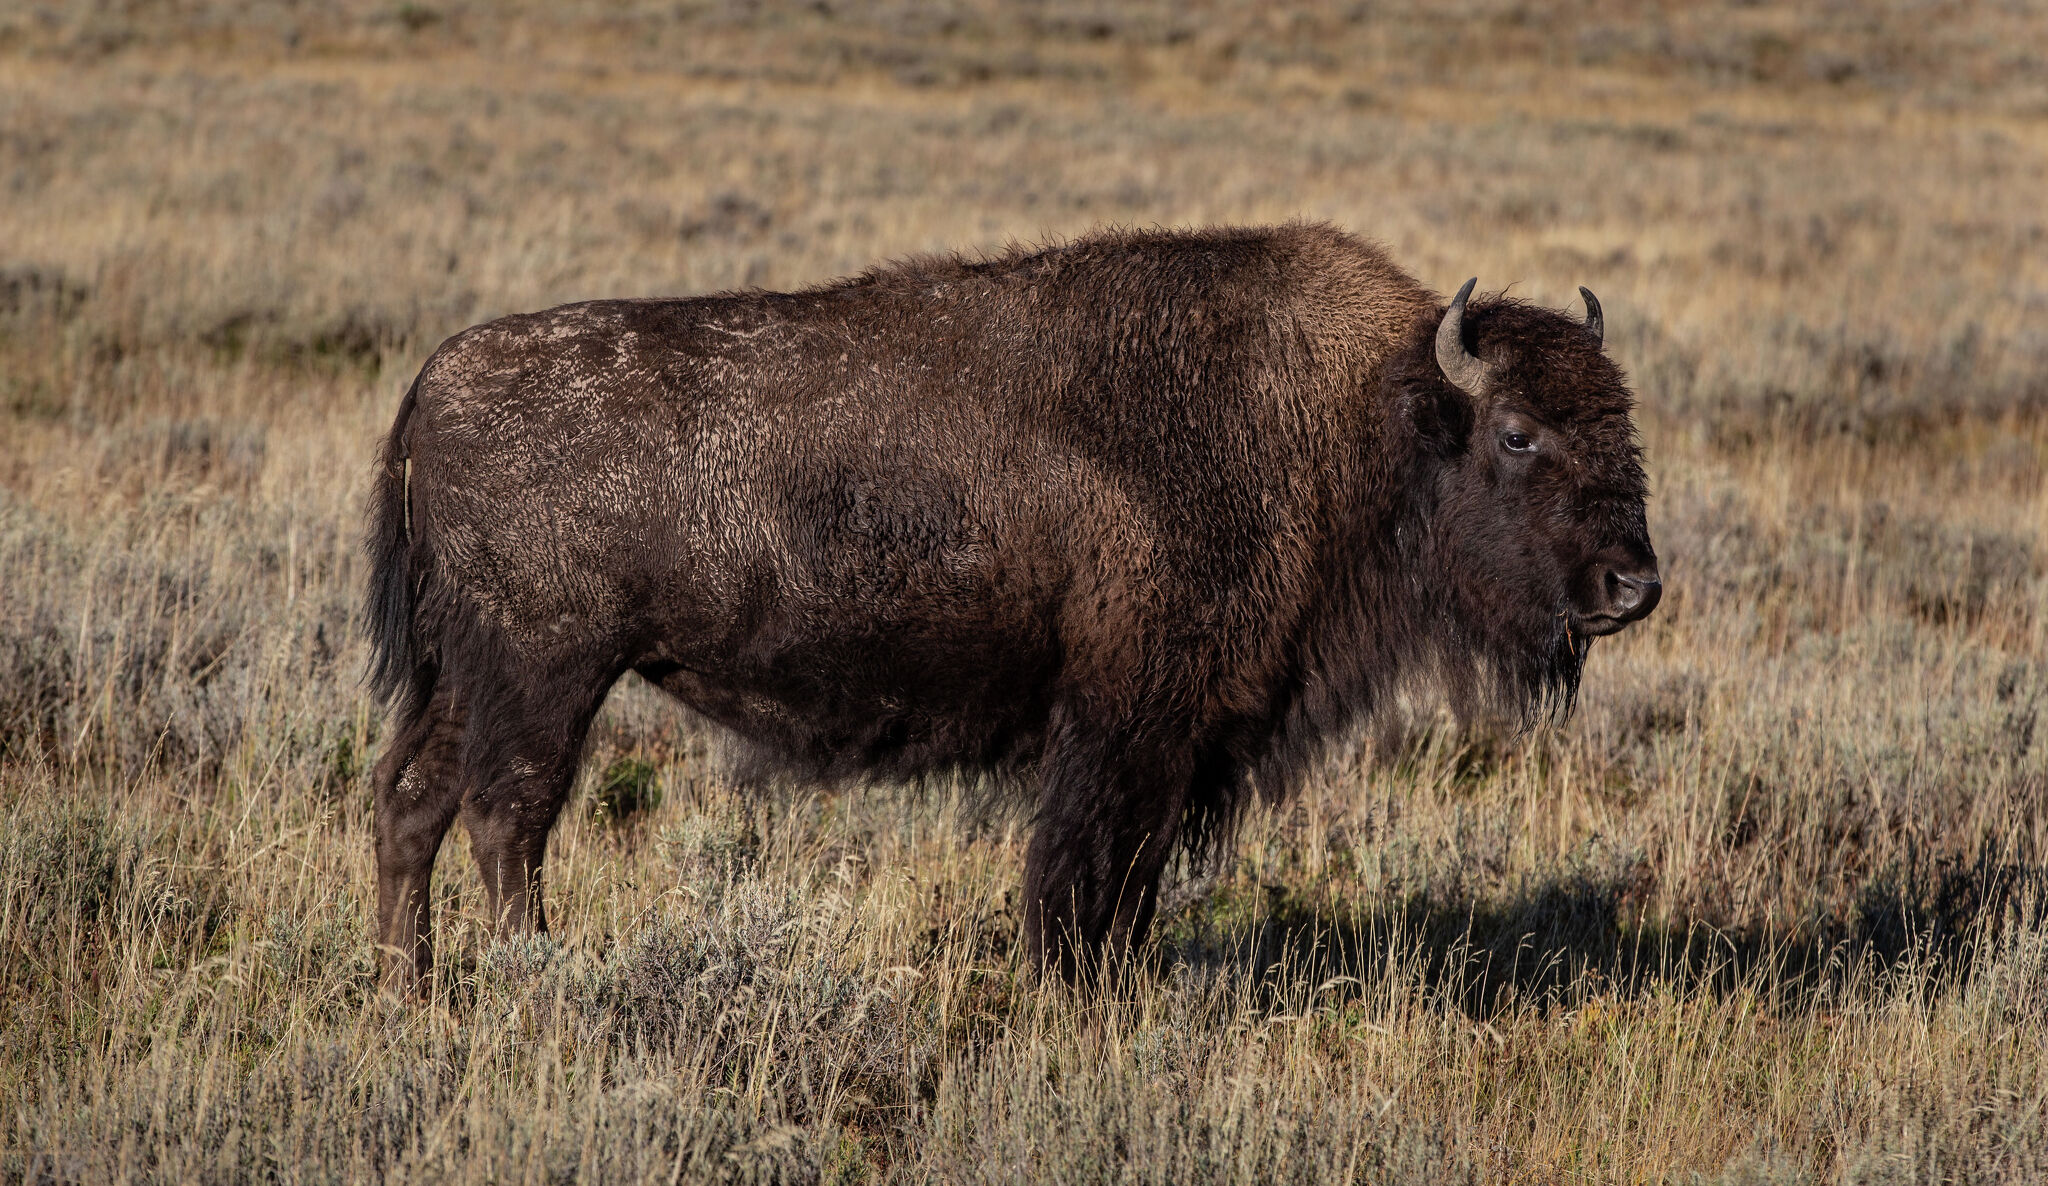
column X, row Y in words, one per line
column 1376, row 622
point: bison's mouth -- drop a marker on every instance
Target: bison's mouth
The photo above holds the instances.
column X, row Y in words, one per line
column 1599, row 625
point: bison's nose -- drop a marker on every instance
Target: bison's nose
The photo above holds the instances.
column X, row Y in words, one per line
column 1632, row 595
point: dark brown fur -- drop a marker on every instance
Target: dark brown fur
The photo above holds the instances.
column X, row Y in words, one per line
column 1153, row 515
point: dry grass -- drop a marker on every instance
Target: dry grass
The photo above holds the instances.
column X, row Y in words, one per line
column 1769, row 909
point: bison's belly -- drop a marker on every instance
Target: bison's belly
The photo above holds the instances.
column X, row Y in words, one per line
column 873, row 698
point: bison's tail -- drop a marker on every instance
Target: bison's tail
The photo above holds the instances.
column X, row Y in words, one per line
column 402, row 663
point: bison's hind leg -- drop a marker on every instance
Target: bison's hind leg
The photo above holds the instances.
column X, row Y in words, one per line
column 418, row 789
column 521, row 758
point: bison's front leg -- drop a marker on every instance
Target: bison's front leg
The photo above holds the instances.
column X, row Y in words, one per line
column 1109, row 814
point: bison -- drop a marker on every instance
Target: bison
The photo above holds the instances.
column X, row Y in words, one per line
column 1145, row 519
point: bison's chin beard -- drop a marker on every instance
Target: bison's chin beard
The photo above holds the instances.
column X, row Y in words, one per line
column 1526, row 672
column 1551, row 683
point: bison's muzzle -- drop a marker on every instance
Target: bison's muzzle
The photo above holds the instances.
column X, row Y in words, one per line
column 1625, row 590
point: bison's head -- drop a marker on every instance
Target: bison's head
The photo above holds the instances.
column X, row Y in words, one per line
column 1536, row 541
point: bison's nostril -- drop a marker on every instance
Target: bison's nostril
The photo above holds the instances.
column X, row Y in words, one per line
column 1632, row 595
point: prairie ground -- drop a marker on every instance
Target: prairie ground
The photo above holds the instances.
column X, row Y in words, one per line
column 1768, row 908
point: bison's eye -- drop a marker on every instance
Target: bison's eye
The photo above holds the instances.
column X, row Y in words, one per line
column 1515, row 441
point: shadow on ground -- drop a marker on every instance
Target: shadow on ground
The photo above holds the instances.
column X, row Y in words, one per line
column 1575, row 934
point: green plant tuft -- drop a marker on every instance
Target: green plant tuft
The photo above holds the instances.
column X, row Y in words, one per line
column 629, row 788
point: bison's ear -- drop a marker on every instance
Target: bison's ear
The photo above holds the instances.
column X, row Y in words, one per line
column 1441, row 416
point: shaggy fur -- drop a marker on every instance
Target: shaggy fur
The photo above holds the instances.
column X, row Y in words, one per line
column 1151, row 516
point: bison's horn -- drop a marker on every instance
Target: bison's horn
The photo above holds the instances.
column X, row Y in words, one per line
column 1595, row 324
column 1465, row 372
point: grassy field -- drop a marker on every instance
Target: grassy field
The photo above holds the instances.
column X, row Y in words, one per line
column 1772, row 907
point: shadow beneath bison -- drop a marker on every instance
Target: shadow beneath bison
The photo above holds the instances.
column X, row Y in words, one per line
column 1579, row 934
